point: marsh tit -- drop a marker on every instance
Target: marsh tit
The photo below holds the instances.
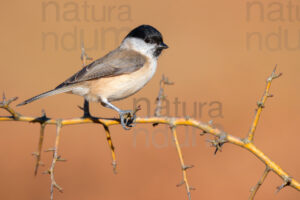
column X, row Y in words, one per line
column 119, row 74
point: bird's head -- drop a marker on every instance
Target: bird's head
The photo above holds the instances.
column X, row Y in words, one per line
column 145, row 39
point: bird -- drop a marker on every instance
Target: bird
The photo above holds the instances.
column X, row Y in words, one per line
column 117, row 75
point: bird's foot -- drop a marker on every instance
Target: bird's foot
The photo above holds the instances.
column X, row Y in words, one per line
column 127, row 119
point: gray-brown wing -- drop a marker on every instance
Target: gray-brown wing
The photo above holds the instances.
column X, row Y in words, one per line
column 115, row 63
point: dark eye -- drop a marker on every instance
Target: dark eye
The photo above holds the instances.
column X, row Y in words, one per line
column 147, row 40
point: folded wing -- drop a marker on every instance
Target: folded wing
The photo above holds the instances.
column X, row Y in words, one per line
column 113, row 64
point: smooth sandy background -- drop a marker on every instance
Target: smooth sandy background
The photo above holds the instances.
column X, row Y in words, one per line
column 208, row 60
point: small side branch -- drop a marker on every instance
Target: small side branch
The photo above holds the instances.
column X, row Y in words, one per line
column 287, row 182
column 83, row 56
column 183, row 166
column 259, row 183
column 112, row 148
column 54, row 160
column 161, row 95
column 5, row 105
column 261, row 104
column 39, row 152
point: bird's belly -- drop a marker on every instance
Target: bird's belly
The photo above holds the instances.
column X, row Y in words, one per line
column 122, row 86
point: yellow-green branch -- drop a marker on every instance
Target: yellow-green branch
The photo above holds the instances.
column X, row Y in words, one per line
column 177, row 122
column 221, row 137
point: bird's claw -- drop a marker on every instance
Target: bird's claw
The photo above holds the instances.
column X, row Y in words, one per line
column 127, row 119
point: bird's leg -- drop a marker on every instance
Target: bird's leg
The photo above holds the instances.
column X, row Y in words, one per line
column 127, row 117
column 86, row 109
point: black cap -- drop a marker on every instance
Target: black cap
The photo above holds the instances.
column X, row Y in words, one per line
column 147, row 33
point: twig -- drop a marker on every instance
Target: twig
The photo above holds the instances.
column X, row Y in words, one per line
column 55, row 159
column 259, row 183
column 40, row 146
column 261, row 104
column 183, row 166
column 112, row 148
column 287, row 182
column 5, row 105
column 83, row 56
column 38, row 154
column 161, row 96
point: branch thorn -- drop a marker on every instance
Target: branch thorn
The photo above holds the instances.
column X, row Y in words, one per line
column 287, row 182
column 185, row 167
column 180, row 184
column 50, row 149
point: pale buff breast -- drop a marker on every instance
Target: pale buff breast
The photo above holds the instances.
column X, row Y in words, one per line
column 119, row 87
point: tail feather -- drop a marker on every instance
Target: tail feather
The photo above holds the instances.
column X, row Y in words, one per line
column 46, row 94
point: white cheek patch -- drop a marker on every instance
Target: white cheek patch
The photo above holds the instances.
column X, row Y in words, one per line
column 139, row 45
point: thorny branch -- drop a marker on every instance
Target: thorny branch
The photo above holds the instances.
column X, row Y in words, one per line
column 56, row 158
column 161, row 95
column 183, row 166
column 220, row 138
column 261, row 104
column 112, row 148
column 259, row 183
column 39, row 152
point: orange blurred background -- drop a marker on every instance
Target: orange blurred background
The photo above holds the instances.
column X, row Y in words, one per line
column 220, row 51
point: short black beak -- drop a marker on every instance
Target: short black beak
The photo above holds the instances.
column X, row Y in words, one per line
column 163, row 46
